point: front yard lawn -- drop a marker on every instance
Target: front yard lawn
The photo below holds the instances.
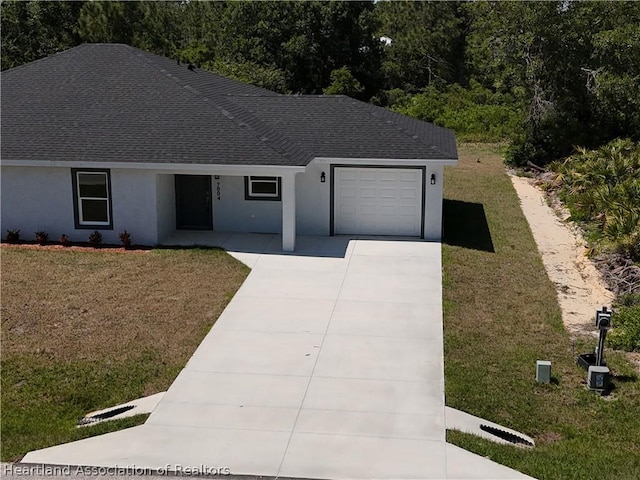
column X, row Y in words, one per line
column 84, row 330
column 501, row 315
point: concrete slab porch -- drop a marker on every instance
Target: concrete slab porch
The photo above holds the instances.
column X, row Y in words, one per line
column 328, row 363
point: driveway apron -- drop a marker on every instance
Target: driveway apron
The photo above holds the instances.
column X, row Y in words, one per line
column 328, row 363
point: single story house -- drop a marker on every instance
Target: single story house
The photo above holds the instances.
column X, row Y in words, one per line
column 108, row 137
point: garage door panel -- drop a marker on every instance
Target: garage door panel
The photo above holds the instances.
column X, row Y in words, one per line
column 378, row 201
column 407, row 176
column 367, row 176
column 348, row 210
column 404, row 225
column 347, row 175
column 408, row 193
column 386, row 192
column 348, row 193
column 368, row 210
column 367, row 192
column 387, row 210
column 407, row 210
column 388, row 175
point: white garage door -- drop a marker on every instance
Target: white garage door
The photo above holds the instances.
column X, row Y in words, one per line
column 378, row 201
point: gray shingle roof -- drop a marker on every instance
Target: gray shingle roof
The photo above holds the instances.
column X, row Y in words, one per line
column 115, row 103
column 339, row 126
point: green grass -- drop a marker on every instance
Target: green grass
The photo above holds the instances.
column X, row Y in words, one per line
column 84, row 330
column 501, row 315
column 87, row 330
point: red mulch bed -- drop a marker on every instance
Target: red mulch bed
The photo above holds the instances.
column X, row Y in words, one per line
column 82, row 247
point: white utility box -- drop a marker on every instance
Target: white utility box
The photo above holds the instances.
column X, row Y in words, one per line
column 598, row 378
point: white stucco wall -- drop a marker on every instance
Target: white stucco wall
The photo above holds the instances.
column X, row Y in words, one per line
column 143, row 203
column 313, row 200
column 433, row 204
column 41, row 198
column 165, row 205
column 133, row 195
column 232, row 213
column 37, row 199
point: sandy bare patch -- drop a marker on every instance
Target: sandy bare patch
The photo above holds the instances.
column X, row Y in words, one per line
column 581, row 289
column 634, row 357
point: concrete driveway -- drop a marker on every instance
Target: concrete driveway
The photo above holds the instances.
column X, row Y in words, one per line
column 327, row 363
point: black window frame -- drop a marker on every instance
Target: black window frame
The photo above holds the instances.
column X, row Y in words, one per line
column 249, row 195
column 76, row 199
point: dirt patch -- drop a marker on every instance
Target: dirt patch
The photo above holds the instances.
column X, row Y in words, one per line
column 581, row 289
column 634, row 357
column 620, row 272
column 548, row 438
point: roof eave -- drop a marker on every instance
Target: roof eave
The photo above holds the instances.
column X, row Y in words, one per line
column 387, row 161
column 212, row 168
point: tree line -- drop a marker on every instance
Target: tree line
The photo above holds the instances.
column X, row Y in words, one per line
column 545, row 76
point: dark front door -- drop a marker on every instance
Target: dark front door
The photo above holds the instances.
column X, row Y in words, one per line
column 193, row 202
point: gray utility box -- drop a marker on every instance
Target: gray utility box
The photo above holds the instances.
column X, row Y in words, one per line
column 598, row 378
column 543, row 371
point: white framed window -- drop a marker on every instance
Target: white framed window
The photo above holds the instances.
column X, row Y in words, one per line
column 262, row 188
column 92, row 198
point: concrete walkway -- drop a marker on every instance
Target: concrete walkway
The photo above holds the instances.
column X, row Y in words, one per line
column 327, row 363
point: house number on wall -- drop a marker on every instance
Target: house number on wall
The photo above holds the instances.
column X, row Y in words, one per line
column 218, row 190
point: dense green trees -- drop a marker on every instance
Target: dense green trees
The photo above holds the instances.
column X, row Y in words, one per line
column 544, row 75
column 475, row 113
column 32, row 30
column 305, row 40
column 575, row 63
column 426, row 43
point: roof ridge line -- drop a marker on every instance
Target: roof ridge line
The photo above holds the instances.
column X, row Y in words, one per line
column 289, row 95
column 293, row 149
column 272, row 134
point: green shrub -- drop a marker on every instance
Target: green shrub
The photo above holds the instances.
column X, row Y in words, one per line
column 474, row 113
column 41, row 237
column 125, row 238
column 265, row 76
column 13, row 235
column 601, row 189
column 343, row 83
column 628, row 300
column 95, row 238
column 626, row 332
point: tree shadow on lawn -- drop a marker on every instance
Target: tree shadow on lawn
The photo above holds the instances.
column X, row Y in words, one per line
column 465, row 225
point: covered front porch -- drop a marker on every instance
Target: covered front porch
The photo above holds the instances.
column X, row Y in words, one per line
column 197, row 208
